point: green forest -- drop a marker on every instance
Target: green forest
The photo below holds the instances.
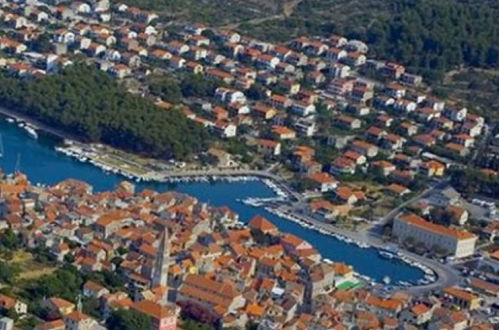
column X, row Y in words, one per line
column 90, row 104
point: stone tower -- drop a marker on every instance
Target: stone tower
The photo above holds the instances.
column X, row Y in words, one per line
column 160, row 275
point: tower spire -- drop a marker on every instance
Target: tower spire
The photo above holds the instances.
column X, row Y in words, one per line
column 160, row 274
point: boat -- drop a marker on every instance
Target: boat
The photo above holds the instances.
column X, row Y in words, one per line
column 31, row 131
column 10, row 120
column 386, row 280
column 386, row 255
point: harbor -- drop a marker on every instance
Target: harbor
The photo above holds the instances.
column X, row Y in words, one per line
column 45, row 165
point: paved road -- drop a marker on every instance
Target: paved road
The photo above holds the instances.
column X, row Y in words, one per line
column 390, row 215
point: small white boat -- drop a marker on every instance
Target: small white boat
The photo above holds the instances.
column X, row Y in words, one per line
column 10, row 120
column 31, row 132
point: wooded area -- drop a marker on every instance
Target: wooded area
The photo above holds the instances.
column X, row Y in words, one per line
column 90, row 104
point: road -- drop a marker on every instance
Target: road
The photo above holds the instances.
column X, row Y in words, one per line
column 390, row 215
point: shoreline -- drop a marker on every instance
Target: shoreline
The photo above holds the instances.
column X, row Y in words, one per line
column 398, row 256
column 282, row 191
column 36, row 124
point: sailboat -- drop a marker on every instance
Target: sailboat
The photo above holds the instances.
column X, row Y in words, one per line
column 18, row 164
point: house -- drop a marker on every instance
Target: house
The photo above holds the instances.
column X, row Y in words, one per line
column 355, row 59
column 365, row 148
column 209, row 294
column 322, row 181
column 358, row 109
column 269, row 147
column 230, row 96
column 455, row 113
column 397, row 190
column 283, row 132
column 11, row 304
column 262, row 226
column 462, row 298
column 280, row 101
column 392, row 70
column 346, row 195
column 392, row 142
column 358, row 158
column 58, row 306
column 347, row 122
column 94, row 290
column 417, row 314
column 120, row 71
column 263, row 111
column 405, row 106
column 302, row 109
column 383, row 167
column 7, row 323
column 220, row 75
column 457, row 214
column 79, row 321
column 162, row 317
column 305, row 126
column 266, row 61
column 395, row 90
column 339, row 70
column 328, row 210
column 340, row 86
column 225, row 129
column 342, row 165
column 407, row 128
column 411, row 79
column 432, row 168
column 335, row 54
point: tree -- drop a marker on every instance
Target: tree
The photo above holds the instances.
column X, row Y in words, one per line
column 91, row 105
column 9, row 240
column 8, row 273
column 167, row 89
column 128, row 320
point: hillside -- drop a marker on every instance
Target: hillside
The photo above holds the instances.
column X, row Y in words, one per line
column 429, row 36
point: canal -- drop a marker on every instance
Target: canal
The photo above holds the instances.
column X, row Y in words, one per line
column 39, row 160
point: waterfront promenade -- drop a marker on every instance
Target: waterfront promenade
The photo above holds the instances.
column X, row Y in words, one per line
column 219, row 173
column 446, row 275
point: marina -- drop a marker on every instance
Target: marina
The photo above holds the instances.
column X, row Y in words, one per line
column 46, row 165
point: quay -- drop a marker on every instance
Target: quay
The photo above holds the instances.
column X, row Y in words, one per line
column 292, row 204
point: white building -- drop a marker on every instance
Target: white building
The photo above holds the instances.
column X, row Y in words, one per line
column 6, row 323
column 456, row 242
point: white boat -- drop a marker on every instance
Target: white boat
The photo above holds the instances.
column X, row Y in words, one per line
column 386, row 280
column 31, row 131
column 385, row 255
column 10, row 120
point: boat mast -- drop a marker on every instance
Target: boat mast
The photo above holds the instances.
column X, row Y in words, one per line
column 18, row 163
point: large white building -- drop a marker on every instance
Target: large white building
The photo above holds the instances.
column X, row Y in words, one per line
column 457, row 243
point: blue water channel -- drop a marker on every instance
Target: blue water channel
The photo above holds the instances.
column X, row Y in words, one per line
column 39, row 160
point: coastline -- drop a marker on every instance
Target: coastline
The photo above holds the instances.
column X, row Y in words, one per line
column 283, row 192
column 323, row 228
column 36, row 124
